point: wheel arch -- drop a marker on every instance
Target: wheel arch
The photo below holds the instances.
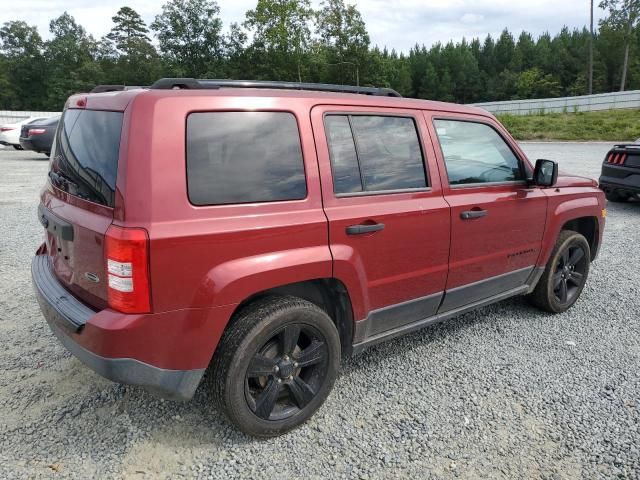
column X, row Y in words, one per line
column 588, row 227
column 580, row 214
column 330, row 294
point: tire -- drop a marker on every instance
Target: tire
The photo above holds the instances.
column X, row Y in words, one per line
column 559, row 287
column 18, row 147
column 614, row 196
column 257, row 378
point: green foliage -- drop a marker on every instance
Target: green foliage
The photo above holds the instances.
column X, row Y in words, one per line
column 343, row 37
column 533, row 83
column 128, row 29
column 190, row 36
column 21, row 66
column 125, row 54
column 290, row 40
column 609, row 125
column 281, row 38
column 71, row 65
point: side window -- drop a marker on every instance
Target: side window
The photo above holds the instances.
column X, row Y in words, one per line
column 475, row 153
column 374, row 153
column 243, row 157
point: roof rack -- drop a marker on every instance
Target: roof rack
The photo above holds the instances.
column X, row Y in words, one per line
column 113, row 88
column 212, row 84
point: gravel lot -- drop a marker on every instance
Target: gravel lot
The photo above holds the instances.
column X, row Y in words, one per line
column 505, row 392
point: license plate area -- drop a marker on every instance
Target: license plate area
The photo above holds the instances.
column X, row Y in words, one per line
column 55, row 225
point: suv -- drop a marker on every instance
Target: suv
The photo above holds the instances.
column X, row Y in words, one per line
column 266, row 230
column 620, row 177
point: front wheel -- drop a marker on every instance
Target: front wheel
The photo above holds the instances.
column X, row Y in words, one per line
column 275, row 365
column 18, row 147
column 565, row 274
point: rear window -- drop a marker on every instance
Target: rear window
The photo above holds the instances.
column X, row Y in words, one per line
column 85, row 159
column 244, row 157
column 374, row 153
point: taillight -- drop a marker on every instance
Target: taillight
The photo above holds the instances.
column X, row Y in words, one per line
column 617, row 159
column 127, row 264
column 6, row 129
column 36, row 131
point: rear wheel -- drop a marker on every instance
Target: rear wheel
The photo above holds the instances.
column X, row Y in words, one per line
column 275, row 365
column 565, row 274
column 614, row 196
column 18, row 147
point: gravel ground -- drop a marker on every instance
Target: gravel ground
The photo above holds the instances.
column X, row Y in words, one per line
column 504, row 392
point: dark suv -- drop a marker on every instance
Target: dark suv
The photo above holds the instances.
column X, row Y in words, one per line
column 266, row 230
column 620, row 178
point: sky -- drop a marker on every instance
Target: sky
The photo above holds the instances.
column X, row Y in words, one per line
column 398, row 24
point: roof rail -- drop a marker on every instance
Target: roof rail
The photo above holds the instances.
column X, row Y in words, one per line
column 212, row 84
column 113, row 88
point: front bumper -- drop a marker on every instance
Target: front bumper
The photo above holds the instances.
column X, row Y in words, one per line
column 67, row 317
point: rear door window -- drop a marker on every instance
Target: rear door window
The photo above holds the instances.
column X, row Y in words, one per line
column 244, row 157
column 475, row 153
column 85, row 159
column 374, row 153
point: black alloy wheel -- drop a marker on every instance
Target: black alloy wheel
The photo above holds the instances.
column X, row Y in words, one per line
column 565, row 274
column 569, row 276
column 275, row 365
column 286, row 373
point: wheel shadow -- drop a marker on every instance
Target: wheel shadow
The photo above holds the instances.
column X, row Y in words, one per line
column 631, row 205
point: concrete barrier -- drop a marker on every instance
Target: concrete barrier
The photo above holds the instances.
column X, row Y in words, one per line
column 584, row 103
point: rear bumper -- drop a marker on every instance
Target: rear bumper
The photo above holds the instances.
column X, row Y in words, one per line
column 67, row 318
column 36, row 144
column 619, row 177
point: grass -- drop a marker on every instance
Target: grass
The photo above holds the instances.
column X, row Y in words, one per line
column 615, row 125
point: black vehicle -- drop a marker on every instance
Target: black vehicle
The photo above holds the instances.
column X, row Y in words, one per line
column 620, row 177
column 39, row 136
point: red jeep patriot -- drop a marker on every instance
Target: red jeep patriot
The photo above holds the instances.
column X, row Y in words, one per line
column 267, row 229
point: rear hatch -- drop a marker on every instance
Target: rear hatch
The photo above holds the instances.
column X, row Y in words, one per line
column 77, row 207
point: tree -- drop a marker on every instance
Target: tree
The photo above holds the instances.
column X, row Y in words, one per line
column 71, row 61
column 281, row 37
column 129, row 28
column 505, row 48
column 238, row 65
column 126, row 53
column 343, row 34
column 591, row 49
column 623, row 15
column 190, row 36
column 533, row 83
column 22, row 80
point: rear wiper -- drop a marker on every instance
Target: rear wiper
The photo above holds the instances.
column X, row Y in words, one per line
column 63, row 182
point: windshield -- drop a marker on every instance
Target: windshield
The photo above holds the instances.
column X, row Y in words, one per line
column 85, row 159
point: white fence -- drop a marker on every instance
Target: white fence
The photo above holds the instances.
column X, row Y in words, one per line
column 584, row 103
column 7, row 116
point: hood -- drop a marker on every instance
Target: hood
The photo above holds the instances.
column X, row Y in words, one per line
column 569, row 180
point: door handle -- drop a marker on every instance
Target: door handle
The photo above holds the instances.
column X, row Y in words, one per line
column 360, row 229
column 471, row 214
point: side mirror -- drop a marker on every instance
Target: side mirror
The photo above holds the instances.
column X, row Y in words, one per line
column 545, row 173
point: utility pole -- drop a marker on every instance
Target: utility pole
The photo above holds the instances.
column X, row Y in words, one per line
column 591, row 53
